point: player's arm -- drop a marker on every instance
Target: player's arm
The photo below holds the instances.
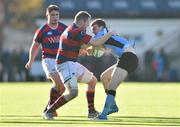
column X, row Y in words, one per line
column 32, row 54
column 102, row 40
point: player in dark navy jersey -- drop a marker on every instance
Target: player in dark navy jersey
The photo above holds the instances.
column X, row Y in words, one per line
column 48, row 37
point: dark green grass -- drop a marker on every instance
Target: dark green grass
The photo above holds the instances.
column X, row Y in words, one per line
column 141, row 104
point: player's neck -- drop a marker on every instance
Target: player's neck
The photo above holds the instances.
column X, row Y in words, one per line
column 77, row 24
column 80, row 26
column 53, row 26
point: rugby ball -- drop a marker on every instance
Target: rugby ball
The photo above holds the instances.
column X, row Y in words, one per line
column 97, row 52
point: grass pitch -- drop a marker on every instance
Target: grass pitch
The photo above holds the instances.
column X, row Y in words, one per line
column 140, row 104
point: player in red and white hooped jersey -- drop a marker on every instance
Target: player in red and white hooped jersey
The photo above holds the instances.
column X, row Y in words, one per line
column 71, row 71
column 48, row 37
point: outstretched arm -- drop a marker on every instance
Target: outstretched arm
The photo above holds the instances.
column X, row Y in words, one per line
column 102, row 40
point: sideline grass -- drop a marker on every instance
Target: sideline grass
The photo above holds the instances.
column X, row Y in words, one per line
column 141, row 104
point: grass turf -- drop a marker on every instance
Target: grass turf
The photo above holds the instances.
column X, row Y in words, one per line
column 140, row 104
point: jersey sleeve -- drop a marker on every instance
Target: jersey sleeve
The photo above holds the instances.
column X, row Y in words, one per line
column 115, row 41
column 38, row 36
column 86, row 38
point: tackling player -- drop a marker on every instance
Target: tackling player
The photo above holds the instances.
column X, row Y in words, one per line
column 48, row 37
column 114, row 75
column 70, row 43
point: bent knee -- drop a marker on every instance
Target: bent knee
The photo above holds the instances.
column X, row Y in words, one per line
column 73, row 93
column 63, row 89
column 60, row 87
column 93, row 81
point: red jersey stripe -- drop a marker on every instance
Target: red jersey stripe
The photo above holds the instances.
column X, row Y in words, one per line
column 69, row 54
column 50, row 51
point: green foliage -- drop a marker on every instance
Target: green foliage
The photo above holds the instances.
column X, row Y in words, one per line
column 23, row 12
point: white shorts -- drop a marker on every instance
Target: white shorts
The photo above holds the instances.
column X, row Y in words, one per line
column 48, row 65
column 69, row 69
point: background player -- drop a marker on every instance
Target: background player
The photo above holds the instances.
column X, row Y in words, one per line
column 48, row 37
column 70, row 43
column 114, row 75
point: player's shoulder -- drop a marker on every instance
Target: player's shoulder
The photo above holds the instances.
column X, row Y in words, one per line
column 76, row 29
column 42, row 27
column 71, row 29
column 62, row 25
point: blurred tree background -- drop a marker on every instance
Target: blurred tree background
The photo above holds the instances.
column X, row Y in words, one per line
column 153, row 24
column 21, row 13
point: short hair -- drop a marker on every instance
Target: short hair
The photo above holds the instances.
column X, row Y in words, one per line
column 81, row 15
column 51, row 8
column 100, row 22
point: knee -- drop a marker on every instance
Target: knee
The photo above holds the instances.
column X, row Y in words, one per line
column 62, row 89
column 93, row 81
column 57, row 82
column 73, row 93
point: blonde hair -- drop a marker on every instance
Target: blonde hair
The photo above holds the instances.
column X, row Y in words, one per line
column 81, row 15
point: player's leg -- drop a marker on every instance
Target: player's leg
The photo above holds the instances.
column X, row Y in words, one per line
column 65, row 98
column 51, row 73
column 118, row 76
column 67, row 71
column 71, row 94
column 90, row 94
column 85, row 76
column 128, row 63
column 106, row 77
column 56, row 91
column 58, row 88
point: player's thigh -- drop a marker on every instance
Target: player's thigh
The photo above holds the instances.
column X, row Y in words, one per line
column 56, row 79
column 108, row 72
column 67, row 71
column 48, row 66
column 83, row 74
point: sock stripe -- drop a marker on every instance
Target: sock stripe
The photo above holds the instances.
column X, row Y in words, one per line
column 90, row 100
column 54, row 94
column 112, row 92
column 58, row 103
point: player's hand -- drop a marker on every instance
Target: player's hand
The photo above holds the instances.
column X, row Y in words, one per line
column 86, row 51
column 28, row 65
column 112, row 33
column 83, row 52
column 90, row 50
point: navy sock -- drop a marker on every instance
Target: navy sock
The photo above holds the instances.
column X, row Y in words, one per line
column 112, row 92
